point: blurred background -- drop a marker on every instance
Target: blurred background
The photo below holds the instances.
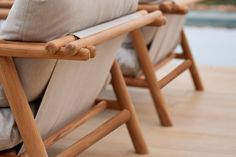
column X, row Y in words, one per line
column 211, row 30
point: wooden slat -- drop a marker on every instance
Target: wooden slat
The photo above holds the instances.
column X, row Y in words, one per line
column 75, row 124
column 142, row 83
column 136, row 82
column 193, row 69
column 176, row 72
column 96, row 135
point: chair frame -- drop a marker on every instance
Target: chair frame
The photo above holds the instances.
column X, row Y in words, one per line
column 149, row 79
column 56, row 49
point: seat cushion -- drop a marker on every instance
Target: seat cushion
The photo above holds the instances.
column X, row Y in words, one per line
column 44, row 20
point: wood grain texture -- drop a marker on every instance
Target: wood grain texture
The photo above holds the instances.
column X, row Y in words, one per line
column 20, row 108
column 193, row 69
column 204, row 121
column 96, row 134
column 150, row 77
column 35, row 50
column 125, row 102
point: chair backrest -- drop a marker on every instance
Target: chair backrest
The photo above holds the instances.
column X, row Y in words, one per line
column 162, row 40
column 166, row 37
column 74, row 86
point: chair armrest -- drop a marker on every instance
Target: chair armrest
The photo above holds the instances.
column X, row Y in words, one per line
column 115, row 31
column 35, row 50
column 167, row 7
column 82, row 47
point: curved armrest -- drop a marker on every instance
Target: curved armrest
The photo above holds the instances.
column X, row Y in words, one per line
column 99, row 37
column 35, row 50
column 82, row 47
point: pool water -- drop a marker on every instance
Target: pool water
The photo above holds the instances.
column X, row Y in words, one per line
column 212, row 45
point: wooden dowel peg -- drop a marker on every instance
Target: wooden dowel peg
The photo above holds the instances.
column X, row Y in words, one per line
column 53, row 46
column 159, row 22
column 92, row 50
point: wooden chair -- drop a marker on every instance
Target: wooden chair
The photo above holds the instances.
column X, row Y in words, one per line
column 39, row 134
column 149, row 66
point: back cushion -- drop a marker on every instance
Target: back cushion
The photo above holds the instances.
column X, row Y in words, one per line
column 44, row 20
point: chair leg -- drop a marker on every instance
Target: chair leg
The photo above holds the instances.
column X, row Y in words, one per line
column 20, row 108
column 124, row 100
column 150, row 77
column 193, row 69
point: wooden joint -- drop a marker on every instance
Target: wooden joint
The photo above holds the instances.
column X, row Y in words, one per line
column 54, row 46
column 159, row 21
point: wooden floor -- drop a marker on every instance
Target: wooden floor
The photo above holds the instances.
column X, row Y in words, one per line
column 205, row 122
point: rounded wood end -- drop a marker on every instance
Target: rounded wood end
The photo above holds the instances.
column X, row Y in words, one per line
column 84, row 52
column 70, row 49
column 92, row 50
column 51, row 48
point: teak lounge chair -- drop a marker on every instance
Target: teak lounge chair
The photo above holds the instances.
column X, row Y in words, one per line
column 59, row 112
column 159, row 52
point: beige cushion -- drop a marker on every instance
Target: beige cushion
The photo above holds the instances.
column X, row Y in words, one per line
column 43, row 20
